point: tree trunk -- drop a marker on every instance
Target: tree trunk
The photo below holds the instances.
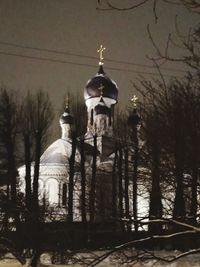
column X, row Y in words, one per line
column 126, row 182
column 120, row 185
column 179, row 211
column 71, row 180
column 135, row 177
column 193, row 211
column 93, row 182
column 12, row 170
column 38, row 148
column 114, row 187
column 83, row 181
column 155, row 206
column 35, row 258
column 179, row 202
column 28, row 192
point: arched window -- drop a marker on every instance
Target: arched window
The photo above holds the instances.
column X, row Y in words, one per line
column 41, row 191
column 64, row 194
column 52, row 189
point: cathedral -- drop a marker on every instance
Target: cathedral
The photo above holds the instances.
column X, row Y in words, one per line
column 100, row 95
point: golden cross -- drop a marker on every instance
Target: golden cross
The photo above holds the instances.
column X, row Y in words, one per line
column 134, row 100
column 100, row 51
column 67, row 100
column 101, row 89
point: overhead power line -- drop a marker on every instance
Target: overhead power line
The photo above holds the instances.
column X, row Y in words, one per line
column 79, row 64
column 46, row 50
column 85, row 56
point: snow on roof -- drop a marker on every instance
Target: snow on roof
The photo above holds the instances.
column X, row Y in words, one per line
column 58, row 153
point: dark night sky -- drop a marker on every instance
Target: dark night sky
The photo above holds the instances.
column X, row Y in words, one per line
column 75, row 26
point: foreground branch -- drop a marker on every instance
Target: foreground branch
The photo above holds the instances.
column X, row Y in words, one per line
column 136, row 242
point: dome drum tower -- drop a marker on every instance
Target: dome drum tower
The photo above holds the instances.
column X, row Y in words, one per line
column 100, row 97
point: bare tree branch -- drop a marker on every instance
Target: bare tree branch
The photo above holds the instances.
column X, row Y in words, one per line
column 191, row 5
column 136, row 242
column 113, row 7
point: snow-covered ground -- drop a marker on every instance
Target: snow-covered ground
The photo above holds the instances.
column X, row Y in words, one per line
column 188, row 261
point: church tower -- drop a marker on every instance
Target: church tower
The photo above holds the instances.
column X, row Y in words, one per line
column 100, row 98
column 66, row 121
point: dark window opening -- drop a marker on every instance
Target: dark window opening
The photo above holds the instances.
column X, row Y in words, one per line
column 91, row 118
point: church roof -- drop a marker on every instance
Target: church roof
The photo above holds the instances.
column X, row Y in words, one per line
column 55, row 160
column 101, row 85
column 58, row 153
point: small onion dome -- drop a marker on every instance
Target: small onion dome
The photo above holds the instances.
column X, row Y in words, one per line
column 102, row 109
column 66, row 117
column 134, row 119
column 101, row 85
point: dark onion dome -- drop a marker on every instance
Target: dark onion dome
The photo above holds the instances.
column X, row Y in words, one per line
column 134, row 119
column 66, row 117
column 102, row 109
column 101, row 80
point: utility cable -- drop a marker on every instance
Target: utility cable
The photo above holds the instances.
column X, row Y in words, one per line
column 79, row 64
column 85, row 56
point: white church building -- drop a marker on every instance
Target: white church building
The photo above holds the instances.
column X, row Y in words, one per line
column 100, row 95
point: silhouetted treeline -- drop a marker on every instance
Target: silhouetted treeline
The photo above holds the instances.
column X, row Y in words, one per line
column 24, row 124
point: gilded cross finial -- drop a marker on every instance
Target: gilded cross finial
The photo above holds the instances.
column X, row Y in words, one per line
column 100, row 51
column 101, row 89
column 134, row 100
column 67, row 101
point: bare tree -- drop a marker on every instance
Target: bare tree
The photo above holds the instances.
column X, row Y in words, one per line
column 126, row 183
column 152, row 131
column 134, row 121
column 27, row 134
column 120, row 181
column 9, row 120
column 111, row 5
column 114, row 185
column 92, row 199
column 41, row 114
column 71, row 179
column 83, row 180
